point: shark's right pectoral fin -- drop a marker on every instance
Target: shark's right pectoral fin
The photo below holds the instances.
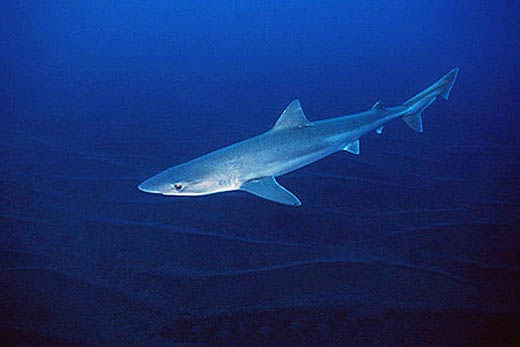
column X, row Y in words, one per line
column 268, row 188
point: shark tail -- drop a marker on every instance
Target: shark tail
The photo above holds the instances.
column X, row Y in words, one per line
column 420, row 102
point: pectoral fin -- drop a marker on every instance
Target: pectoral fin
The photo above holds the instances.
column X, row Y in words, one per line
column 268, row 188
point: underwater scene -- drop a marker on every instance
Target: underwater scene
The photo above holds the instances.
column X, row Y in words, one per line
column 275, row 173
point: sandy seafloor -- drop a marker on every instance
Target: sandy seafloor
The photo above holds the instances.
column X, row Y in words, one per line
column 414, row 242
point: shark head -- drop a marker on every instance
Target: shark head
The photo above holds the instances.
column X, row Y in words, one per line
column 188, row 179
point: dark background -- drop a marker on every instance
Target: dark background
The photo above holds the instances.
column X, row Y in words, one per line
column 415, row 241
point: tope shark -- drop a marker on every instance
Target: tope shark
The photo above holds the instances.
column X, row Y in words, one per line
column 294, row 141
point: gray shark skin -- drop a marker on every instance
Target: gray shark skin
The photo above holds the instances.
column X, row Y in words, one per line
column 293, row 142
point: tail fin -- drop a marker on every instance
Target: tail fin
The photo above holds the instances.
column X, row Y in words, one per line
column 421, row 101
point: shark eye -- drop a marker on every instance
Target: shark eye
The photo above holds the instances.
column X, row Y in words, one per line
column 178, row 186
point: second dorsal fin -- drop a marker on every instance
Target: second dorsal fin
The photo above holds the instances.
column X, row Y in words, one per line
column 378, row 105
column 292, row 117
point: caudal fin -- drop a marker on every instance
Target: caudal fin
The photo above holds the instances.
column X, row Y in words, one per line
column 421, row 101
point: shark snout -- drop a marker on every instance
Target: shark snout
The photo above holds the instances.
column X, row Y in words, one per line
column 149, row 186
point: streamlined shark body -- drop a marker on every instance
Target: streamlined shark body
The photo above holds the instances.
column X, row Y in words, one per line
column 294, row 141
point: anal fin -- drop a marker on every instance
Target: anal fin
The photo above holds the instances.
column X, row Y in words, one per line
column 268, row 188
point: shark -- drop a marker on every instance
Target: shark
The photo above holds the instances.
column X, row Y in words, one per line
column 294, row 141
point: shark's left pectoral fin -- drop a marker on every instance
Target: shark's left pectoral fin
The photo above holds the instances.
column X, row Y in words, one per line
column 268, row 188
column 352, row 147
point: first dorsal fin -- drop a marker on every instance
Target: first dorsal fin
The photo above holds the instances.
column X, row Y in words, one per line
column 292, row 117
column 378, row 105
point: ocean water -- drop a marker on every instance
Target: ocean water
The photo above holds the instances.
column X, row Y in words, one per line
column 413, row 242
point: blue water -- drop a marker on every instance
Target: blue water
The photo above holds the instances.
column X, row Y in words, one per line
column 414, row 241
